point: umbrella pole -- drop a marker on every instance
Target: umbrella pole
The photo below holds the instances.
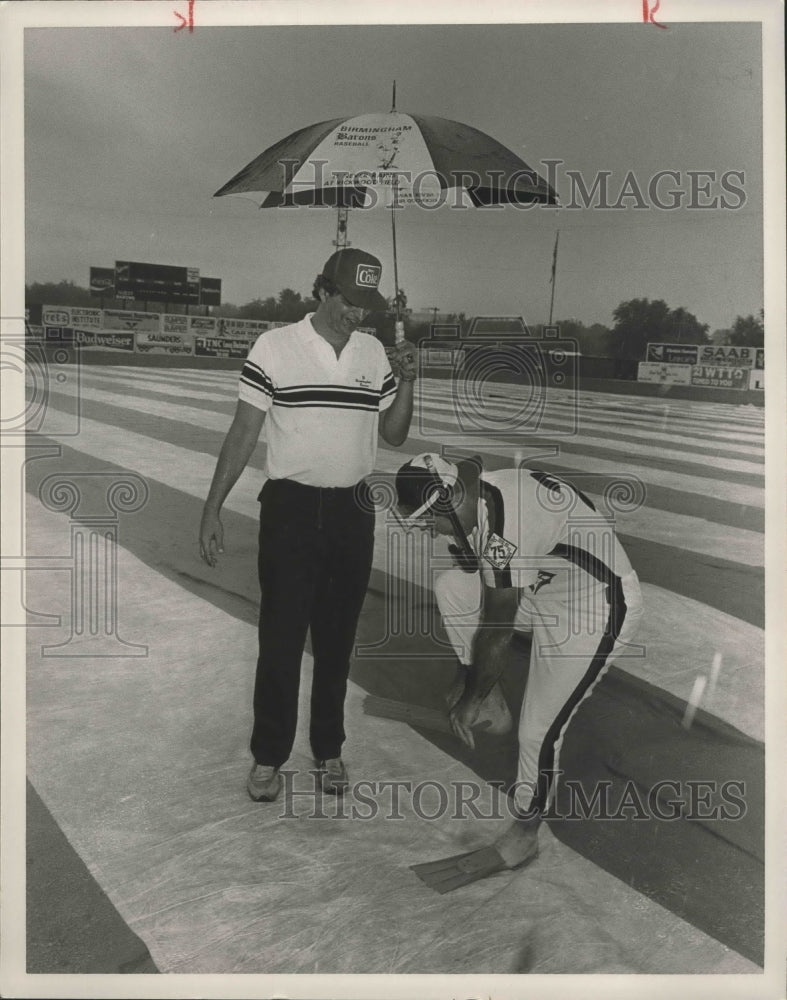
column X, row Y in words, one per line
column 399, row 327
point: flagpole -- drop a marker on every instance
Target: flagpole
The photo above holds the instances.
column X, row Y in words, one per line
column 552, row 279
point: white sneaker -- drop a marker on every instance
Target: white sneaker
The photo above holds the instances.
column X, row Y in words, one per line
column 333, row 776
column 264, row 783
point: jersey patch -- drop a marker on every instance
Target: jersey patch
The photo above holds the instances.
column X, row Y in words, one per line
column 543, row 579
column 498, row 551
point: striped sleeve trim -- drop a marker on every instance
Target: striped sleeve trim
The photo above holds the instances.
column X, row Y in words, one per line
column 389, row 385
column 253, row 376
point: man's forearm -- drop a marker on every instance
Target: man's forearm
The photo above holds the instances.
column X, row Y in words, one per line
column 395, row 421
column 228, row 469
column 490, row 656
column 235, row 453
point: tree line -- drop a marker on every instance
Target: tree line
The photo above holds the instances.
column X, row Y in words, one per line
column 637, row 322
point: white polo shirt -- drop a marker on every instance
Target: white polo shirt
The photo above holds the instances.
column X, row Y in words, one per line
column 322, row 411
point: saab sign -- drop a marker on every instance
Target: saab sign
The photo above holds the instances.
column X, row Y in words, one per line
column 673, row 354
column 732, row 357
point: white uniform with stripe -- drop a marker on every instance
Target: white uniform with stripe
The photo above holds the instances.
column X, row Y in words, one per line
column 578, row 595
column 322, row 419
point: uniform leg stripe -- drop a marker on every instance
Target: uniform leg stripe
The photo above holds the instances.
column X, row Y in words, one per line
column 548, row 757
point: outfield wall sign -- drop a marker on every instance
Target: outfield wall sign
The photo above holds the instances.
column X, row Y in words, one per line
column 100, row 339
column 720, row 376
column 707, row 354
column 202, row 324
column 221, row 347
column 129, row 319
column 663, row 373
column 229, row 327
column 732, row 357
column 85, row 318
column 104, row 339
column 164, row 343
column 174, row 324
column 679, row 354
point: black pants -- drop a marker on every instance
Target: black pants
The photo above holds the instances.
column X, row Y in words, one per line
column 315, row 558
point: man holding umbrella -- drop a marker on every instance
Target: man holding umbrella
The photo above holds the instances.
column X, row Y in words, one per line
column 327, row 391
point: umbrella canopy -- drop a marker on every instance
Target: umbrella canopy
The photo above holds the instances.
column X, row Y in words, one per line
column 394, row 159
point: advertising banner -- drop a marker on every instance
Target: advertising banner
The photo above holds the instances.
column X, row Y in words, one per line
column 679, row 354
column 720, row 376
column 244, row 327
column 87, row 319
column 102, row 282
column 128, row 319
column 202, row 324
column 666, row 374
column 756, row 379
column 104, row 340
column 759, row 358
column 731, row 357
column 174, row 324
column 72, row 316
column 164, row 343
column 55, row 316
column 221, row 347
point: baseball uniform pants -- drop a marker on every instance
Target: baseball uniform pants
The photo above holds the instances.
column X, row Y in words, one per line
column 572, row 647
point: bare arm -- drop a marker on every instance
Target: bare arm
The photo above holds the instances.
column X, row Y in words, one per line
column 235, row 453
column 490, row 655
column 395, row 421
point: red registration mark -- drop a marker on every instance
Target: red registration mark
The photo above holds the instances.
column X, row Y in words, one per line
column 648, row 13
column 185, row 22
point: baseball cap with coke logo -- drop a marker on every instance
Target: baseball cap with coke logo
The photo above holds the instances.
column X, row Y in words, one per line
column 357, row 275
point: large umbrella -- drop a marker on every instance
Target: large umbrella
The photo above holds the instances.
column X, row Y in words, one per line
column 392, row 159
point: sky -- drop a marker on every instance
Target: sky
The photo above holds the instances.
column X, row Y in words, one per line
column 129, row 132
